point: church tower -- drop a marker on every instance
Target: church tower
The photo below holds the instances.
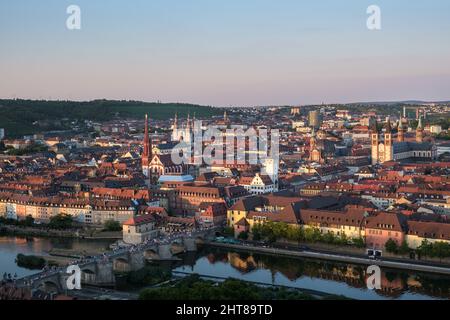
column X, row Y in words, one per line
column 147, row 152
column 374, row 138
column 401, row 131
column 315, row 155
column 388, row 145
column 175, row 128
column 419, row 131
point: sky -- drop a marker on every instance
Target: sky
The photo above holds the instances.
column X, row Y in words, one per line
column 226, row 52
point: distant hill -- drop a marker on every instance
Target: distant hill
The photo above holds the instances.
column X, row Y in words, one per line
column 413, row 102
column 20, row 117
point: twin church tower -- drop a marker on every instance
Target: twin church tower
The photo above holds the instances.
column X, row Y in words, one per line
column 385, row 148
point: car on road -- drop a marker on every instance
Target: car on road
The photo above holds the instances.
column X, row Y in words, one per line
column 374, row 254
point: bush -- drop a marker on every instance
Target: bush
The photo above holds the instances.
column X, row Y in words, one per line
column 112, row 225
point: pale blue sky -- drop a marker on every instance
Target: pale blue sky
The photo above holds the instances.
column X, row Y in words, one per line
column 227, row 52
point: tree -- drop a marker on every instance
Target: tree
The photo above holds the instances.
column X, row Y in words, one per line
column 228, row 231
column 425, row 248
column 404, row 248
column 194, row 288
column 391, row 246
column 300, row 234
column 112, row 225
column 342, row 239
column 243, row 235
column 149, row 275
column 27, row 222
column 30, row 262
column 329, row 238
column 61, row 221
column 313, row 235
column 257, row 232
column 359, row 242
column 440, row 249
column 280, row 230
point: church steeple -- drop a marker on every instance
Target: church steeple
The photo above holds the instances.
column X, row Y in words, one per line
column 419, row 131
column 146, row 139
column 147, row 152
column 388, row 125
column 401, row 131
column 420, row 124
column 175, row 121
column 373, row 127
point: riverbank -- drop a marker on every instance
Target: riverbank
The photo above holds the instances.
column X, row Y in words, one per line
column 333, row 257
column 200, row 287
column 92, row 234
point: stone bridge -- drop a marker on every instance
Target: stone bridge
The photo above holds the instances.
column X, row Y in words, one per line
column 100, row 271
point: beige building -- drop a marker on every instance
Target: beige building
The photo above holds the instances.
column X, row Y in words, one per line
column 139, row 229
column 82, row 210
column 433, row 232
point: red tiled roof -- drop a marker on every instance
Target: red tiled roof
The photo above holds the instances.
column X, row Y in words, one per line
column 387, row 221
column 430, row 230
column 138, row 220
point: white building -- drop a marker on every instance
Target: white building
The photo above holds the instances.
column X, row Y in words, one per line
column 259, row 184
column 270, row 168
column 435, row 129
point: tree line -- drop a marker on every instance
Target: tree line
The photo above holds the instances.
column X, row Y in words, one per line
column 274, row 231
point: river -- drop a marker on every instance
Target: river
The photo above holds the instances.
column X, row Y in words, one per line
column 330, row 277
column 11, row 246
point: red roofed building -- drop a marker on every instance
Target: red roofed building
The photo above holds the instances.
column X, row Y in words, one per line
column 384, row 226
column 418, row 231
column 212, row 213
column 258, row 184
column 139, row 229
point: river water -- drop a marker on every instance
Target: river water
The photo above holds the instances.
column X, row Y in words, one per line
column 330, row 277
column 11, row 246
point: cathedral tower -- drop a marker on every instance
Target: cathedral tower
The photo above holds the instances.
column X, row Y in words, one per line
column 388, row 145
column 374, row 138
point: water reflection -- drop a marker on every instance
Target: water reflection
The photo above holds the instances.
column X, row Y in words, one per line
column 11, row 246
column 330, row 277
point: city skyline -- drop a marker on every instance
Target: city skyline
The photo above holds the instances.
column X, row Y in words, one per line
column 226, row 54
